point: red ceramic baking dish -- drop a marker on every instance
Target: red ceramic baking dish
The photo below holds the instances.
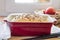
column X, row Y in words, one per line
column 29, row 28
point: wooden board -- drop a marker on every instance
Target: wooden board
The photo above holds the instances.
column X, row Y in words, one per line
column 20, row 38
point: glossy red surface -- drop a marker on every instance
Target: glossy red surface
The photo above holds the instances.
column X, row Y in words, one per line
column 50, row 11
column 29, row 28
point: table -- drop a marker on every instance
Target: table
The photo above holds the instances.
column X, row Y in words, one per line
column 20, row 38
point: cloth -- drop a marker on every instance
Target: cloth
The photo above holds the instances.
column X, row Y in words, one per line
column 55, row 29
column 4, row 31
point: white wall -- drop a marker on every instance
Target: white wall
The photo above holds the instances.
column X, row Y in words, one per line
column 13, row 7
column 8, row 6
column 2, row 7
column 56, row 4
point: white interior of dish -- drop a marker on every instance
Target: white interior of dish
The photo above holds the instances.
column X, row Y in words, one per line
column 50, row 19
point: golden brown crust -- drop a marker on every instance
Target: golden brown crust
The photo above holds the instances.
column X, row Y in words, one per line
column 31, row 18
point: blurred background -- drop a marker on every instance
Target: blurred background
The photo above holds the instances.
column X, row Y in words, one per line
column 15, row 6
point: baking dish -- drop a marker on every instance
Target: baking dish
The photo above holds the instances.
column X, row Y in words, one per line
column 29, row 28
